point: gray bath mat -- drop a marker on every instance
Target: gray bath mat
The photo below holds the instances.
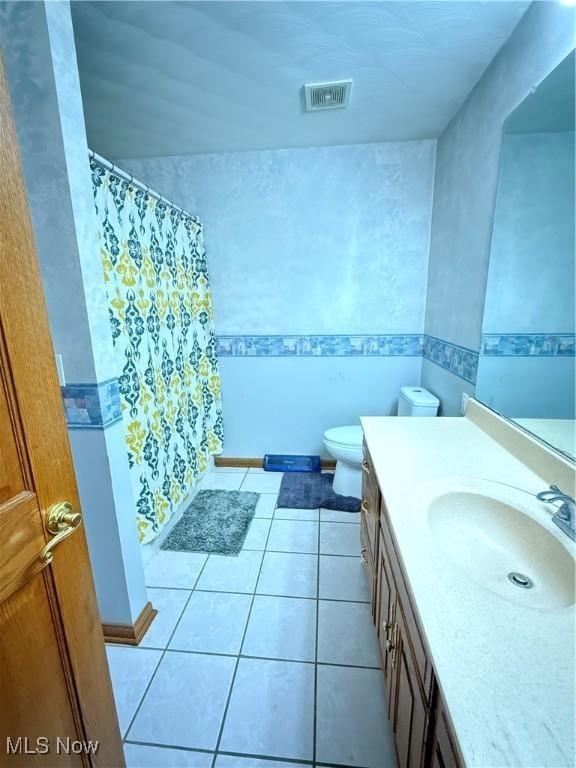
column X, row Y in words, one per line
column 215, row 522
column 311, row 490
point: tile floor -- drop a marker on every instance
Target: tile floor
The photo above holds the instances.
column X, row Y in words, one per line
column 265, row 659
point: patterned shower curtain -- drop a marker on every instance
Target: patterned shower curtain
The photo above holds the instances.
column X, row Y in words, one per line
column 160, row 310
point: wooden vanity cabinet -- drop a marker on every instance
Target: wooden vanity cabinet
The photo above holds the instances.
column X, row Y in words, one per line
column 421, row 731
column 443, row 752
column 386, row 603
column 409, row 700
column 409, row 708
column 369, row 522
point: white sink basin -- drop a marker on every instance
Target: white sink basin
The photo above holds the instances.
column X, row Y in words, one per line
column 490, row 539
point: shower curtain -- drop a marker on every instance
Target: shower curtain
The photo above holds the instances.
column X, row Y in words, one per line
column 160, row 310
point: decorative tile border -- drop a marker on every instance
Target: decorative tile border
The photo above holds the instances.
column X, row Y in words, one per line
column 458, row 360
column 92, row 406
column 408, row 344
column 529, row 344
column 97, row 406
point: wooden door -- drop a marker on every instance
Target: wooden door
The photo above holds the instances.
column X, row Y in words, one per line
column 55, row 691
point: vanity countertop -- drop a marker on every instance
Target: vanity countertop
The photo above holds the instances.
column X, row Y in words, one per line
column 506, row 671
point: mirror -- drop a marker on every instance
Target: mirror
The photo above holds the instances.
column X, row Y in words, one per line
column 526, row 369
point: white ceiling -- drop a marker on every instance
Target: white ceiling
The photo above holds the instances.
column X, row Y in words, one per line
column 177, row 78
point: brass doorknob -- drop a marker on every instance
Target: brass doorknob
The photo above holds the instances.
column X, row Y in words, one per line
column 61, row 516
column 61, row 521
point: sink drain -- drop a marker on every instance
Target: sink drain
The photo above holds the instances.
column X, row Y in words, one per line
column 520, row 580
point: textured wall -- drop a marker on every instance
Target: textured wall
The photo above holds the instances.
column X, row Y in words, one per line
column 284, row 405
column 447, row 386
column 39, row 57
column 31, row 81
column 467, row 171
column 324, row 240
column 467, row 162
column 331, row 240
column 531, row 276
column 38, row 49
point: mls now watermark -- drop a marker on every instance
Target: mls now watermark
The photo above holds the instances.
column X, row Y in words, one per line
column 24, row 745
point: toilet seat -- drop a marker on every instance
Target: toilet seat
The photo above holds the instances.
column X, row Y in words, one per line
column 345, row 437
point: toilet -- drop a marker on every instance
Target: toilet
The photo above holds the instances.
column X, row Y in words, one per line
column 345, row 443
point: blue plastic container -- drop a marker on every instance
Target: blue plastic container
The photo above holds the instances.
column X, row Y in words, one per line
column 279, row 463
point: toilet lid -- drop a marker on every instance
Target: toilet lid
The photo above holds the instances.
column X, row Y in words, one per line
column 347, row 436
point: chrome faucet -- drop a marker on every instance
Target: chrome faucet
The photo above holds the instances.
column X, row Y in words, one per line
column 565, row 515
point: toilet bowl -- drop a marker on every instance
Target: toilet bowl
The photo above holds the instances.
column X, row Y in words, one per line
column 345, row 445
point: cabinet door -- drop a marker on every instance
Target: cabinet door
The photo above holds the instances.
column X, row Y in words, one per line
column 385, row 614
column 365, row 554
column 409, row 711
column 423, row 665
column 370, row 508
column 443, row 753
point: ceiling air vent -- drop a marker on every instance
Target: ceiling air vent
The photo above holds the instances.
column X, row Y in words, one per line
column 327, row 95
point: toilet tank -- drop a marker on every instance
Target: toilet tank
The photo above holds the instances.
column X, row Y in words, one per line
column 417, row 401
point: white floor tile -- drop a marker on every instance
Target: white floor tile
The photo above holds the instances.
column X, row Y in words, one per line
column 213, row 622
column 282, row 628
column 174, row 569
column 144, row 756
column 339, row 539
column 293, row 536
column 288, row 513
column 257, row 533
column 148, row 551
column 346, row 634
column 271, row 710
column 288, row 574
column 334, row 516
column 231, row 574
column 262, row 482
column 266, row 505
column 185, row 703
column 222, row 481
column 130, row 670
column 169, row 603
column 343, row 578
column 231, row 761
column 256, row 470
column 352, row 719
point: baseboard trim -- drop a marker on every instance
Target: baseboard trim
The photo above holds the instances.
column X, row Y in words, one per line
column 225, row 461
column 130, row 634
